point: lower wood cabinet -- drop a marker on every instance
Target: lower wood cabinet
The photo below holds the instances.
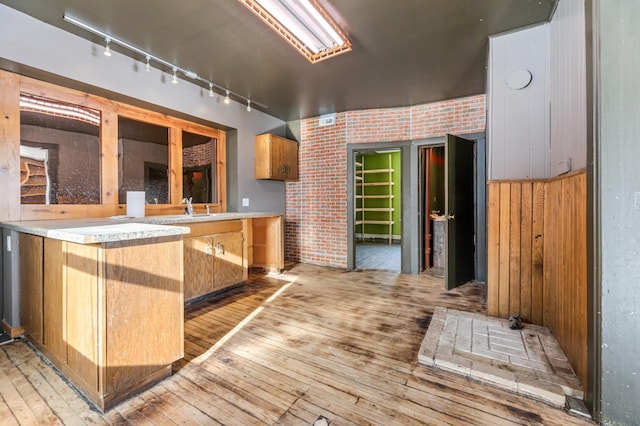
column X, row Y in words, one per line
column 213, row 258
column 228, row 263
column 198, row 266
column 110, row 316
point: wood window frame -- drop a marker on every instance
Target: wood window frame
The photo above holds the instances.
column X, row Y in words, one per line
column 11, row 85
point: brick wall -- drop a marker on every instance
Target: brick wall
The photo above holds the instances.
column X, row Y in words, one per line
column 316, row 219
column 198, row 155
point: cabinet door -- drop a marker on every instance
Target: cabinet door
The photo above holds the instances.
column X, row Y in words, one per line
column 198, row 266
column 284, row 158
column 31, row 284
column 228, row 265
column 291, row 160
column 278, row 157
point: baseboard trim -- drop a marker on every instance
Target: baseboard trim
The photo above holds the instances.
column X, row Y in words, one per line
column 13, row 332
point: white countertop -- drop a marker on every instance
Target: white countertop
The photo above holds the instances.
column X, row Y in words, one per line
column 101, row 230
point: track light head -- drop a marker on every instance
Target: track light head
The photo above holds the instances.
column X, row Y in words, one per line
column 107, row 49
column 163, row 65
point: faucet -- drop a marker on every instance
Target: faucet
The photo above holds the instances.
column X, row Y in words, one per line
column 189, row 210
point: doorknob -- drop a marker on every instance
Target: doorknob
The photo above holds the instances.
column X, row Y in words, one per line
column 451, row 216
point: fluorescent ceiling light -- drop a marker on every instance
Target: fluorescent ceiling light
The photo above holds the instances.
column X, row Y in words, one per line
column 304, row 24
column 58, row 109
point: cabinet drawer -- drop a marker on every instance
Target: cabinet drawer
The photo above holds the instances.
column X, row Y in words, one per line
column 214, row 227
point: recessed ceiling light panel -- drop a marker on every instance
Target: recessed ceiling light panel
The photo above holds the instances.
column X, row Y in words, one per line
column 304, row 24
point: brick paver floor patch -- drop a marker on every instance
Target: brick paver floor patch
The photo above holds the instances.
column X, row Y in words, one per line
column 528, row 361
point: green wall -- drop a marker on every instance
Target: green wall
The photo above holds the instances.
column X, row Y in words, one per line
column 381, row 161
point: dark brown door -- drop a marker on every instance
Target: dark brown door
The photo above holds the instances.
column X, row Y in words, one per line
column 459, row 211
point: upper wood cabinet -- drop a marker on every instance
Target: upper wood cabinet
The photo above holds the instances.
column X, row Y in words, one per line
column 276, row 158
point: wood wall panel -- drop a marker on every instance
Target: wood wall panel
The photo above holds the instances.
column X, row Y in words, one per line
column 537, row 253
column 493, row 249
column 83, row 319
column 142, row 288
column 515, row 250
column 268, row 242
column 9, row 147
column 31, row 282
column 537, row 258
column 54, row 299
column 565, row 265
column 109, row 158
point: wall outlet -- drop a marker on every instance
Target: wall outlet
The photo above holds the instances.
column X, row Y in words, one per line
column 245, row 202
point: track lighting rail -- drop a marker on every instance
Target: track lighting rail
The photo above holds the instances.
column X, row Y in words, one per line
column 174, row 69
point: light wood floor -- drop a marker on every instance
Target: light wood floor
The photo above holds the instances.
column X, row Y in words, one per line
column 314, row 342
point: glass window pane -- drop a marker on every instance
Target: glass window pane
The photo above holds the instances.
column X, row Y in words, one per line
column 143, row 159
column 198, row 171
column 59, row 152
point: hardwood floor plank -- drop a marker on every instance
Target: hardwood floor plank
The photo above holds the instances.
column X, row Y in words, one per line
column 130, row 412
column 307, row 413
column 5, row 413
column 151, row 407
column 19, row 408
column 213, row 404
column 28, row 391
column 61, row 395
column 287, row 349
column 176, row 409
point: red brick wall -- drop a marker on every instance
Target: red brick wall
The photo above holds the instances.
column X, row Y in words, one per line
column 316, row 219
column 198, row 155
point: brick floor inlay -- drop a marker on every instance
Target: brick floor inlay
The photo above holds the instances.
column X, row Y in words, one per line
column 528, row 361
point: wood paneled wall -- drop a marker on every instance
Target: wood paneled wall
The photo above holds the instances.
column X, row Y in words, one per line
column 515, row 252
column 565, row 267
column 537, row 258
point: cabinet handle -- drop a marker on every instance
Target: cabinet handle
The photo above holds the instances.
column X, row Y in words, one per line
column 219, row 248
column 208, row 250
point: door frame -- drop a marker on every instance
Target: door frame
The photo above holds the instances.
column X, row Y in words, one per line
column 411, row 212
column 480, row 204
column 352, row 150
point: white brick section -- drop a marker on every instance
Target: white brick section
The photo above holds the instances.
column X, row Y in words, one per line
column 528, row 361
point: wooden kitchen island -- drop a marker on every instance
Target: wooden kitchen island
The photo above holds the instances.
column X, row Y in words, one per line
column 104, row 300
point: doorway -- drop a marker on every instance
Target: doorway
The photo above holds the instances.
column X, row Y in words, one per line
column 432, row 202
column 452, row 190
column 378, row 209
column 412, row 213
